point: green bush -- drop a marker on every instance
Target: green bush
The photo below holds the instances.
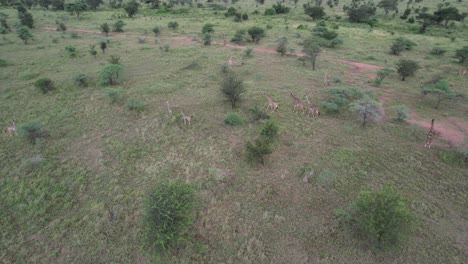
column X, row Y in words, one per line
column 71, row 51
column 456, row 156
column 33, row 131
column 401, row 112
column 114, row 94
column 61, row 27
column 157, row 30
column 256, row 152
column 109, row 75
column 240, row 37
column 438, row 51
column 270, row 130
column 233, row 119
column 173, row 25
column 269, row 12
column 81, row 79
column 134, row 104
column 3, row 63
column 168, row 214
column 382, row 216
column 118, row 26
column 258, row 114
column 340, row 97
column 45, row 85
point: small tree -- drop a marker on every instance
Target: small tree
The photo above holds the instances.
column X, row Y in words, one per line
column 270, row 130
column 45, row 85
column 462, row 55
column 401, row 113
column 32, row 131
column 173, row 25
column 134, row 104
column 368, row 110
column 131, row 8
column 92, row 50
column 256, row 33
column 208, row 29
column 103, row 46
column 157, row 30
column 93, row 4
column 381, row 216
column 26, row 19
column 118, row 26
column 388, row 5
column 381, row 75
column 109, row 75
column 312, row 49
column 401, row 44
column 71, row 51
column 440, row 90
column 105, row 29
column 24, row 34
column 206, row 39
column 406, row 68
column 315, row 12
column 76, row 8
column 282, row 47
column 232, row 87
column 256, row 152
column 81, row 80
column 361, row 13
column 168, row 214
column 61, row 27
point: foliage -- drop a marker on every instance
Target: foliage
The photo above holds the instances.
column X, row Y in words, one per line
column 438, row 51
column 114, row 94
column 401, row 44
column 401, row 112
column 440, row 90
column 327, row 38
column 368, row 109
column 446, row 14
column 157, row 30
column 406, row 68
column 109, row 75
column 94, row 4
column 230, row 12
column 103, row 46
column 81, row 79
column 76, row 8
column 134, row 104
column 462, row 55
column 61, row 27
column 105, row 28
column 239, row 37
column 339, row 97
column 168, row 214
column 381, row 216
column 248, row 52
column 388, row 5
column 381, row 75
column 114, row 59
column 258, row 114
column 361, row 13
column 131, row 8
column 45, row 85
column 24, row 34
column 118, row 26
column 233, row 119
column 256, row 33
column 26, row 19
column 280, row 8
column 206, row 39
column 92, row 50
column 165, row 48
column 71, row 50
column 33, row 131
column 315, row 12
column 270, row 130
column 456, row 156
column 3, row 63
column 282, row 47
column 208, row 28
column 173, row 25
column 312, row 49
column 257, row 151
column 232, row 87
column 269, row 12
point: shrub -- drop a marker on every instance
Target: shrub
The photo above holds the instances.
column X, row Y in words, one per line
column 3, row 63
column 24, row 34
column 462, row 55
column 157, row 30
column 33, row 131
column 74, row 35
column 206, row 39
column 230, row 12
column 103, row 46
column 248, row 52
column 114, row 59
column 438, row 51
column 131, row 8
column 61, row 27
column 456, row 156
column 440, row 90
column 258, row 114
column 270, row 130
column 367, row 109
column 406, row 68
column 173, row 25
column 114, row 94
column 239, row 37
column 401, row 112
column 92, row 50
column 256, row 33
column 381, row 216
column 381, row 75
column 280, row 8
column 360, row 14
column 165, row 48
column 109, row 75
column 233, row 119
column 81, row 80
column 168, row 214
column 105, row 29
column 338, row 98
column 269, row 12
column 232, row 87
column 256, row 152
column 401, row 44
column 315, row 12
column 71, row 51
column 282, row 47
column 118, row 26
column 26, row 19
column 141, row 40
column 134, row 104
column 45, row 85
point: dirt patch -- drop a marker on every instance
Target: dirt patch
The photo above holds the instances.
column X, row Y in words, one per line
column 451, row 128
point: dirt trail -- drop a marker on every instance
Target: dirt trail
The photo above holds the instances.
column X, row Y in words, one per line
column 450, row 128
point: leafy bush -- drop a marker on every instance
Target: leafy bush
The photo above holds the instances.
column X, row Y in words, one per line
column 339, row 97
column 270, row 12
column 3, row 63
column 256, row 152
column 401, row 113
column 157, row 30
column 233, row 119
column 367, row 109
column 206, row 39
column 462, row 55
column 61, row 27
column 315, row 12
column 258, row 114
column 81, row 80
column 131, row 8
column 208, row 28
column 114, row 94
column 401, row 44
column 24, row 34
column 105, row 28
column 406, row 68
column 71, row 51
column 438, row 51
column 173, row 25
column 45, row 85
column 118, row 26
column 114, row 59
column 32, row 131
column 109, row 75
column 168, row 214
column 256, row 33
column 232, row 87
column 248, row 52
column 230, row 12
column 239, row 37
column 381, row 216
column 381, row 75
column 141, row 40
column 134, row 104
column 456, row 156
column 280, row 8
column 26, row 19
column 74, row 35
column 165, row 48
column 270, row 130
column 282, row 47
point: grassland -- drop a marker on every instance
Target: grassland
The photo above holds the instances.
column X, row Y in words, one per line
column 77, row 196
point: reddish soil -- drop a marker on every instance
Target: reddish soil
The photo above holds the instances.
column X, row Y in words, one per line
column 450, row 128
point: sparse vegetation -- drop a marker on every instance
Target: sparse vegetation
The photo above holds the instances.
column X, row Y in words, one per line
column 45, row 85
column 109, row 75
column 233, row 119
column 134, row 104
column 33, row 131
column 81, row 80
column 232, row 87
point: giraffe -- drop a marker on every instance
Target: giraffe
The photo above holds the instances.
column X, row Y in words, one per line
column 11, row 129
column 312, row 108
column 298, row 105
column 430, row 135
column 462, row 71
column 186, row 118
column 271, row 104
column 169, row 109
column 326, row 81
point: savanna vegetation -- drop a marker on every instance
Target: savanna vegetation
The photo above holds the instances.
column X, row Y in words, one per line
column 138, row 131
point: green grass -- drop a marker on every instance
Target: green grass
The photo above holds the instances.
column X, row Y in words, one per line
column 77, row 196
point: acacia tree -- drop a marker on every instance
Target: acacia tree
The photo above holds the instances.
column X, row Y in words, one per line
column 105, row 29
column 76, row 8
column 24, row 34
column 406, row 68
column 131, row 8
column 256, row 33
column 368, row 109
column 447, row 14
column 312, row 49
column 109, row 75
column 315, row 12
column 388, row 5
column 440, row 90
column 232, row 87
